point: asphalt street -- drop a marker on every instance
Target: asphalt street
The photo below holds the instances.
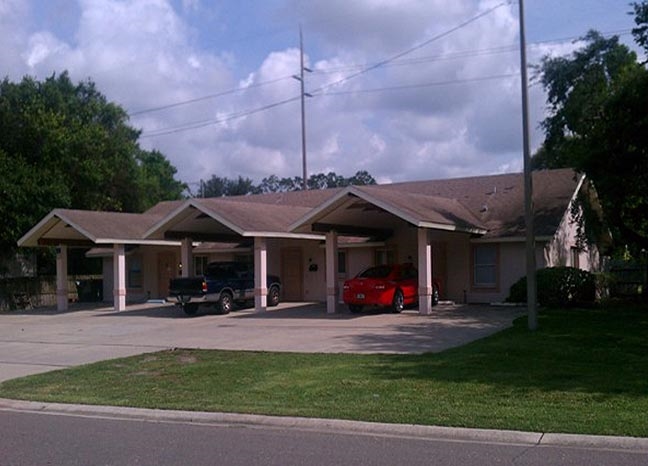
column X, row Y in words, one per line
column 28, row 438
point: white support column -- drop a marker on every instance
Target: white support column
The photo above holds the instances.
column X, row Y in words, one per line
column 332, row 289
column 260, row 275
column 119, row 277
column 425, row 272
column 186, row 257
column 61, row 278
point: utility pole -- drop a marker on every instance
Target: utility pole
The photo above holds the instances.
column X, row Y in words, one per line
column 304, row 94
column 528, row 184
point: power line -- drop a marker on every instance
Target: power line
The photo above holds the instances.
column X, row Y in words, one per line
column 393, row 60
column 412, row 49
column 406, row 62
column 421, row 85
column 202, row 124
column 462, row 54
column 210, row 96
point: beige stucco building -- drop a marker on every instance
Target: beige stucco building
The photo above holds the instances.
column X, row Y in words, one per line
column 467, row 232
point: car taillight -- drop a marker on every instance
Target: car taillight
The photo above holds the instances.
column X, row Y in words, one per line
column 204, row 286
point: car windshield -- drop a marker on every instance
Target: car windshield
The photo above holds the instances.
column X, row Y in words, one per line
column 381, row 271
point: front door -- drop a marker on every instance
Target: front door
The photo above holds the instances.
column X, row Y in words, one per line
column 166, row 271
column 292, row 277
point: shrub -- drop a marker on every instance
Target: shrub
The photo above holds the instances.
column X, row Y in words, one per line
column 558, row 287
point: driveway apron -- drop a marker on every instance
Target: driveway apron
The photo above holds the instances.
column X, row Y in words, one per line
column 42, row 340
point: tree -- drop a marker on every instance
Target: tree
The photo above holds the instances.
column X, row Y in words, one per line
column 640, row 33
column 273, row 184
column 157, row 179
column 362, row 178
column 598, row 124
column 218, row 187
column 316, row 181
column 63, row 145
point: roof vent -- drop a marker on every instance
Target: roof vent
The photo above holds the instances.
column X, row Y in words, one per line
column 484, row 208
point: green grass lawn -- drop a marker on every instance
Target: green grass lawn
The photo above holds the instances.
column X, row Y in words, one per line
column 583, row 371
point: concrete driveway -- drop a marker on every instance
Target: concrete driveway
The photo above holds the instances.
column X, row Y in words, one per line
column 43, row 340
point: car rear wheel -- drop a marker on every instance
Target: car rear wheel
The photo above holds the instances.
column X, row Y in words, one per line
column 190, row 309
column 355, row 308
column 398, row 302
column 225, row 303
column 273, row 296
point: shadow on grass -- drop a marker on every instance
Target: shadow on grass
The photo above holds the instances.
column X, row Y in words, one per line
column 589, row 351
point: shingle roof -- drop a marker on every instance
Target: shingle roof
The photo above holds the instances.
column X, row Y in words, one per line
column 492, row 203
column 498, row 200
column 425, row 208
column 311, row 198
column 254, row 216
column 70, row 225
column 115, row 225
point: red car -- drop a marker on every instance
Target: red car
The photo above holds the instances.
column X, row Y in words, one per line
column 394, row 286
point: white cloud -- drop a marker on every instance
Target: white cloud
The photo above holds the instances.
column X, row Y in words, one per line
column 144, row 54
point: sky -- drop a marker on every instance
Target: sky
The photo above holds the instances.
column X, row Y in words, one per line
column 404, row 89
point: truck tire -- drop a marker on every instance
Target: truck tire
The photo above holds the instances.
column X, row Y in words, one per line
column 225, row 303
column 435, row 295
column 273, row 296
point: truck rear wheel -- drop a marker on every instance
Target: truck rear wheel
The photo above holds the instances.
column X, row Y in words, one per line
column 225, row 303
column 273, row 296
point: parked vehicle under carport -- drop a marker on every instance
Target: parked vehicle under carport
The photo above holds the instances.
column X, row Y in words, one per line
column 224, row 285
column 393, row 286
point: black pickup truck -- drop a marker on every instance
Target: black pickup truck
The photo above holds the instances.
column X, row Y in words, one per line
column 223, row 284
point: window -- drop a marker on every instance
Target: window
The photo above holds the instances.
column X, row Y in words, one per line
column 485, row 266
column 135, row 279
column 200, row 265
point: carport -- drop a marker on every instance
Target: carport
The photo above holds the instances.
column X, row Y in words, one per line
column 221, row 220
column 67, row 228
column 379, row 213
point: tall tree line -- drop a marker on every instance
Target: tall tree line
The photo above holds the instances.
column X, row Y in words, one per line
column 222, row 186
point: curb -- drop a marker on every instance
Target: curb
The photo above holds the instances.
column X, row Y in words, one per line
column 458, row 434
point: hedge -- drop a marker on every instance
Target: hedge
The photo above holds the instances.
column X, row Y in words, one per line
column 558, row 287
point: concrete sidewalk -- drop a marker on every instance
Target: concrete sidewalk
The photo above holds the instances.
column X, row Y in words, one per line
column 492, row 436
column 42, row 340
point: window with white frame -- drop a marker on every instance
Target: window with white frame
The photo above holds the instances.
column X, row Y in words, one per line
column 485, row 266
